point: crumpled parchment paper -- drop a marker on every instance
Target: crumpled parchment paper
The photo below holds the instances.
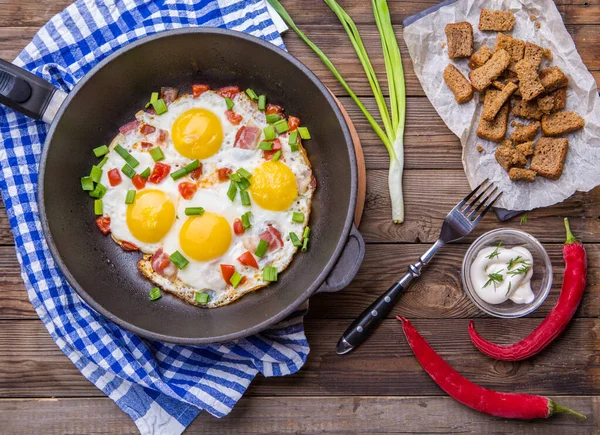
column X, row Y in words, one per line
column 425, row 39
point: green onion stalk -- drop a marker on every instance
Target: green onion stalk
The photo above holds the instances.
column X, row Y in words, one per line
column 392, row 133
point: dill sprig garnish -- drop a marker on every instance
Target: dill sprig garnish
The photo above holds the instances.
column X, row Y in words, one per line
column 494, row 278
column 523, row 269
column 496, row 253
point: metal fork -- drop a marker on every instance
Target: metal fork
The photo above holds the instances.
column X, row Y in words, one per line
column 459, row 223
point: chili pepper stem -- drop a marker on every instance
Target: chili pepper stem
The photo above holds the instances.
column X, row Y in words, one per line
column 570, row 237
column 555, row 408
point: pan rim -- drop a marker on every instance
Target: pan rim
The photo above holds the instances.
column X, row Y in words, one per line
column 328, row 267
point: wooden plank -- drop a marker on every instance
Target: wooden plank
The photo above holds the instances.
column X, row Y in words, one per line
column 437, row 294
column 32, row 366
column 334, row 414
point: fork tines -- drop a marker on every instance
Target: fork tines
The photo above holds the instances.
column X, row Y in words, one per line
column 485, row 198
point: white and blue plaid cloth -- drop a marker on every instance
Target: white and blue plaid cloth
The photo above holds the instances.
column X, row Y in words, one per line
column 161, row 386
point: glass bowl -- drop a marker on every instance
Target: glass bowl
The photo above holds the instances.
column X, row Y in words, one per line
column 541, row 281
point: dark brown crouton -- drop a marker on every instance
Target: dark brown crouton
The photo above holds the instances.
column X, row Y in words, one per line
column 514, row 47
column 527, row 109
column 525, row 132
column 498, row 84
column 546, row 103
column 559, row 123
column 499, row 21
column 458, row 84
column 534, row 54
column 480, row 57
column 549, row 157
column 553, row 78
column 529, row 83
column 460, row 39
column 483, row 76
column 520, row 174
column 491, row 110
column 493, row 130
column 525, row 148
column 560, row 99
column 479, row 148
column 508, row 157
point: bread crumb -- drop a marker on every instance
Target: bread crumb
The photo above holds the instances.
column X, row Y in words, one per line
column 532, row 17
column 520, row 174
column 479, row 148
column 537, row 25
column 443, row 45
column 508, row 157
column 548, row 54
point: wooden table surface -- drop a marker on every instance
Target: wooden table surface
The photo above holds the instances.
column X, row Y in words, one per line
column 380, row 387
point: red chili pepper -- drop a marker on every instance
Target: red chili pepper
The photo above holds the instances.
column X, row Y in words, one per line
column 574, row 281
column 505, row 405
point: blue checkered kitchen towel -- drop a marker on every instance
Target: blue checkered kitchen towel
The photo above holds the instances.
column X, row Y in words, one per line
column 161, row 386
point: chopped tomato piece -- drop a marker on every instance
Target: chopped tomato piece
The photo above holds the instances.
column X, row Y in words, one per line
column 103, row 224
column 268, row 154
column 293, row 123
column 273, row 108
column 147, row 129
column 129, row 246
column 198, row 90
column 233, row 117
column 187, row 189
column 247, row 259
column 238, row 228
column 146, row 145
column 159, row 173
column 138, row 182
column 197, row 173
column 223, row 173
column 227, row 270
column 228, row 91
column 114, row 177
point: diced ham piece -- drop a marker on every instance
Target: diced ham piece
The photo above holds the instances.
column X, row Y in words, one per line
column 150, row 110
column 169, row 94
column 162, row 264
column 162, row 136
column 146, row 145
column 303, row 180
column 313, row 183
column 250, row 243
column 147, row 129
column 273, row 237
column 247, row 137
column 268, row 154
column 129, row 127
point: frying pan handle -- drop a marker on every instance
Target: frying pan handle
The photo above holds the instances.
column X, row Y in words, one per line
column 347, row 265
column 27, row 93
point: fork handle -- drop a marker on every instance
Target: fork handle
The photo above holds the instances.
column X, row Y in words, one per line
column 370, row 318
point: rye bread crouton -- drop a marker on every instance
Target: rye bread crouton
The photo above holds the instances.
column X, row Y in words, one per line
column 460, row 39
column 514, row 47
column 534, row 54
column 525, row 133
column 526, row 148
column 458, row 84
column 529, row 82
column 560, row 99
column 499, row 21
column 480, row 57
column 520, row 174
column 558, row 123
column 491, row 110
column 508, row 157
column 553, row 78
column 549, row 157
column 526, row 109
column 483, row 76
column 495, row 130
column 545, row 103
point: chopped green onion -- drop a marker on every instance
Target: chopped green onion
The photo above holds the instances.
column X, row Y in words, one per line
column 276, row 156
column 131, row 161
column 304, row 245
column 306, row 233
column 243, row 184
column 272, row 118
column 201, row 298
column 190, row 167
column 234, row 177
column 159, row 106
column 246, row 220
column 179, row 260
column 243, row 173
column 270, row 273
column 293, row 139
column 232, row 191
column 130, row 197
column 267, row 146
column 298, row 217
column 245, row 197
column 262, row 102
column 98, row 209
column 153, row 99
column 100, row 151
column 282, row 126
column 295, row 240
column 157, row 154
column 154, row 294
column 178, row 174
column 269, row 132
column 96, row 174
column 87, row 183
column 99, row 191
column 251, row 94
column 261, row 249
column 304, row 133
column 294, row 148
column 102, row 162
column 235, row 279
column 194, row 211
column 229, row 103
column 146, row 173
column 128, row 171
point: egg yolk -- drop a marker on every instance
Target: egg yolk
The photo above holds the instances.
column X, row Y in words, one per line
column 197, row 133
column 273, row 186
column 151, row 216
column 205, row 237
